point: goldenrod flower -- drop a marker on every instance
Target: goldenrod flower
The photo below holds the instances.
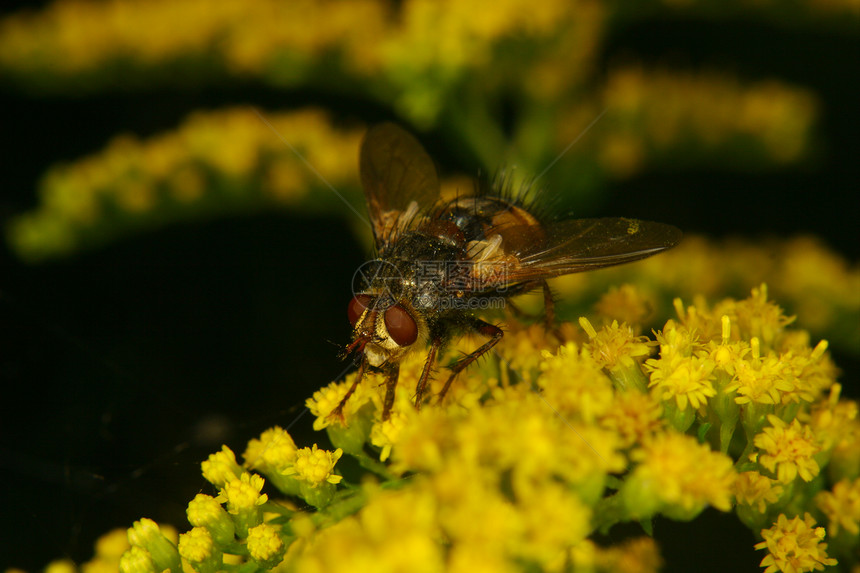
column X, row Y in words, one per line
column 198, row 548
column 146, row 534
column 271, row 454
column 205, row 511
column 756, row 490
column 679, row 339
column 684, row 380
column 626, row 304
column 634, row 417
column 58, row 566
column 574, row 384
column 396, row 531
column 794, row 545
column 761, row 380
column 314, row 470
column 678, row 476
column 841, row 506
column 556, row 518
column 243, row 498
column 221, row 467
column 520, row 349
column 726, row 354
column 639, row 555
column 615, row 346
column 787, row 450
column 265, row 545
column 137, row 560
column 384, row 434
column 325, row 400
column 315, row 466
column 811, row 370
column 759, row 318
column 836, row 425
column 111, row 545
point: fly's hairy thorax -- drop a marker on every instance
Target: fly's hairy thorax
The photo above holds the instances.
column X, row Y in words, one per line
column 421, row 269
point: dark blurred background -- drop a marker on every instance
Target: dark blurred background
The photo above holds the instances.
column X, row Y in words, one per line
column 122, row 368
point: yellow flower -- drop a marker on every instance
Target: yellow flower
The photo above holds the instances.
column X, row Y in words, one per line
column 198, row 548
column 243, row 498
column 58, row 566
column 841, row 506
column 551, row 503
column 272, row 453
column 794, row 545
column 265, row 545
column 324, row 401
column 684, row 380
column 634, row 417
column 146, row 534
column 811, row 371
column 761, row 381
column 836, row 425
column 397, row 530
column 521, row 348
column 137, row 560
column 384, row 433
column 787, row 450
column 205, row 511
column 677, row 343
column 626, row 304
column 474, row 512
column 834, row 420
column 756, row 490
column 756, row 317
column 111, row 545
column 221, row 467
column 315, row 466
column 243, row 493
column 614, row 345
column 726, row 355
column 574, row 385
column 639, row 555
column 677, row 475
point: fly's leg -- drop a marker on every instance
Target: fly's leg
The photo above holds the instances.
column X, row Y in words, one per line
column 548, row 304
column 494, row 332
column 421, row 388
column 392, row 373
column 549, row 307
column 338, row 411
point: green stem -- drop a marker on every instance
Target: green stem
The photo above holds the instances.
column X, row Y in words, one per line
column 609, row 511
column 375, row 466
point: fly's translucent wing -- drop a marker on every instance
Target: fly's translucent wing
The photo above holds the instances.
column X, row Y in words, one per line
column 584, row 244
column 578, row 245
column 399, row 180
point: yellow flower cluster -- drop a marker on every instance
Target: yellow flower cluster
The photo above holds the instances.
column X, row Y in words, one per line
column 523, row 461
column 652, row 113
column 232, row 159
column 817, row 286
column 246, row 37
column 794, row 545
column 430, row 61
column 585, row 417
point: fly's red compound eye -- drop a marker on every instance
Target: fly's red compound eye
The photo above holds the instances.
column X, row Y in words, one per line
column 401, row 326
column 356, row 307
